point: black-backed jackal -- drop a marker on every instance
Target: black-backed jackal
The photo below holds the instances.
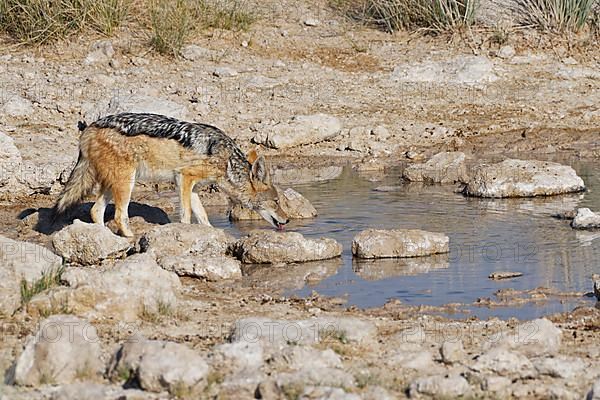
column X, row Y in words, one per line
column 116, row 150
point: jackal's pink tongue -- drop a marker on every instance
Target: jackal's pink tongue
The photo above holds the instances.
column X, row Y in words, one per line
column 280, row 227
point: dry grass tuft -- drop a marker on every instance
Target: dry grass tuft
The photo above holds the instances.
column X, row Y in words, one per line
column 170, row 22
column 107, row 15
column 48, row 280
column 43, row 21
column 174, row 22
column 555, row 15
column 434, row 16
column 40, row 21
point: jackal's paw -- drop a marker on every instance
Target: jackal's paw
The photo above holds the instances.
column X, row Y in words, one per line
column 126, row 233
column 203, row 221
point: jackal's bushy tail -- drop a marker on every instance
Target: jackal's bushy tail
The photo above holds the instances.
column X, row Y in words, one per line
column 80, row 183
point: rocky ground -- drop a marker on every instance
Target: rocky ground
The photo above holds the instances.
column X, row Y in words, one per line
column 166, row 316
column 150, row 318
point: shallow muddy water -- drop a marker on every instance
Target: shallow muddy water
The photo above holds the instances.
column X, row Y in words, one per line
column 485, row 236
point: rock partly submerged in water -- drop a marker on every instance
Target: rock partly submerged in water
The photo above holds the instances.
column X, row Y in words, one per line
column 291, row 202
column 565, row 215
column 380, row 243
column 193, row 250
column 585, row 219
column 288, row 247
column 239, row 213
column 207, row 267
column 520, row 178
column 498, row 275
column 444, row 167
column 181, row 239
column 295, row 205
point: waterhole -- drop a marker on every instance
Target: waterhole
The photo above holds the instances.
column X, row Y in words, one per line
column 486, row 235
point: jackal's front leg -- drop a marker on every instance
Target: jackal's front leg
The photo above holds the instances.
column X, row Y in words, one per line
column 185, row 198
column 199, row 211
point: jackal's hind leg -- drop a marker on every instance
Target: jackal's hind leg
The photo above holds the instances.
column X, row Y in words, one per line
column 199, row 211
column 122, row 196
column 99, row 206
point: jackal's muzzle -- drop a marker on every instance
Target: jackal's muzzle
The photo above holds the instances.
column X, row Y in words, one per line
column 277, row 218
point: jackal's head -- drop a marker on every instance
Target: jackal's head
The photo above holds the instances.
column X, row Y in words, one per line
column 259, row 194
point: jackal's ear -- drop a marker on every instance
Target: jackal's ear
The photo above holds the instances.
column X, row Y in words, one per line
column 259, row 171
column 252, row 156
